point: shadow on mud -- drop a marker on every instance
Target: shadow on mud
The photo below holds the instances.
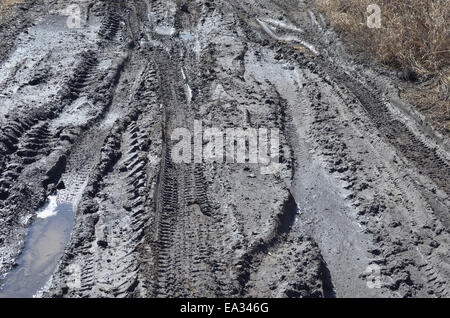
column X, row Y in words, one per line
column 328, row 287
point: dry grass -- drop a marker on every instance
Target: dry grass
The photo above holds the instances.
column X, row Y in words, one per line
column 5, row 4
column 414, row 38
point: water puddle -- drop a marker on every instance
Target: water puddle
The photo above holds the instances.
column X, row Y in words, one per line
column 44, row 247
column 271, row 29
column 186, row 35
column 165, row 30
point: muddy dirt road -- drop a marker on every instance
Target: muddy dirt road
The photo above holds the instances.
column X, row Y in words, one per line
column 358, row 206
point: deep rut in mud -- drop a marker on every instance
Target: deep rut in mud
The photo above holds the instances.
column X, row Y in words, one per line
column 87, row 114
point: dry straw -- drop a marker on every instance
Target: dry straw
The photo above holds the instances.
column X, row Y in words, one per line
column 414, row 37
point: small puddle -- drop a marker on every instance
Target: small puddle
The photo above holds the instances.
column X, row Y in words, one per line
column 44, row 246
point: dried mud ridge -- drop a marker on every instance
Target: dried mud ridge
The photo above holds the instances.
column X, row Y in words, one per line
column 87, row 113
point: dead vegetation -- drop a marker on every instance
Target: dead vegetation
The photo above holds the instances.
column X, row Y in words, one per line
column 5, row 5
column 414, row 38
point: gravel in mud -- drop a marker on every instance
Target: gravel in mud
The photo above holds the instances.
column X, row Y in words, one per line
column 359, row 206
